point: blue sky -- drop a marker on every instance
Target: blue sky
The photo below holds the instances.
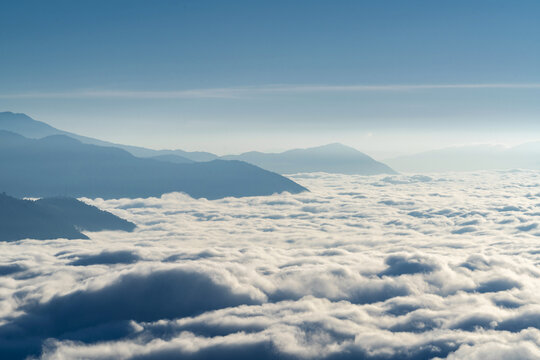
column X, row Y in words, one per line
column 387, row 77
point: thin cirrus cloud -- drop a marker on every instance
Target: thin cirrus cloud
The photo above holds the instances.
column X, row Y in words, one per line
column 237, row 92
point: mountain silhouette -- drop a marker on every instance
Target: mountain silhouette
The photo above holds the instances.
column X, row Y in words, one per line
column 52, row 218
column 24, row 125
column 176, row 159
column 471, row 158
column 332, row 158
column 61, row 165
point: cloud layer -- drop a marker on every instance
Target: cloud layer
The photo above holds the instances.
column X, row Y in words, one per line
column 378, row 267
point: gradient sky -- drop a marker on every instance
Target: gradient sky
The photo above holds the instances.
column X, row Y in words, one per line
column 387, row 77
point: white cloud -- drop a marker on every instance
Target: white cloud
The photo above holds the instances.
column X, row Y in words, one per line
column 360, row 267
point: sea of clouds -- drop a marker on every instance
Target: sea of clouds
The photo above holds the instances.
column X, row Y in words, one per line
column 361, row 267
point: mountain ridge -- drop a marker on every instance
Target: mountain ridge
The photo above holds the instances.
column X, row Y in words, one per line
column 25, row 125
column 62, row 165
column 55, row 217
column 334, row 157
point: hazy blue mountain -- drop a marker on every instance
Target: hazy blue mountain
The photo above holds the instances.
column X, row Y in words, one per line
column 176, row 159
column 52, row 218
column 332, row 158
column 470, row 158
column 62, row 165
column 148, row 153
column 26, row 126
column 532, row 148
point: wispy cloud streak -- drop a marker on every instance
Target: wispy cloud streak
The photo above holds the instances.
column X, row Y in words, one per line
column 237, row 92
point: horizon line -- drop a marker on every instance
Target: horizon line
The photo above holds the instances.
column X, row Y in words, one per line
column 238, row 92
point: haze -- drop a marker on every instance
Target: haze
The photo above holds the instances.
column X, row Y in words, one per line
column 388, row 78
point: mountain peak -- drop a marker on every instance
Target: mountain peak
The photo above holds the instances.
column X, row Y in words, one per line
column 334, row 148
column 336, row 145
column 331, row 158
column 26, row 126
column 11, row 113
column 9, row 116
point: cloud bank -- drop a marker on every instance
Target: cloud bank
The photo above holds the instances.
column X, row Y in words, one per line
column 363, row 267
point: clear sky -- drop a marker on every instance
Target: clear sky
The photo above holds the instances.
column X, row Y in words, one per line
column 387, row 77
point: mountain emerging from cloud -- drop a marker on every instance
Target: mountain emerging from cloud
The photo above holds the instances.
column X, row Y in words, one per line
column 52, row 218
column 471, row 158
column 61, row 165
column 332, row 158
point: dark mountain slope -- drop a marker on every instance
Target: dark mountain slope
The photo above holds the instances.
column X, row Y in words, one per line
column 84, row 216
column 53, row 218
column 61, row 165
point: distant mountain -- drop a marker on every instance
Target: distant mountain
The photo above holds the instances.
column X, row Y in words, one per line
column 332, row 158
column 53, row 218
column 532, row 148
column 62, row 165
column 470, row 158
column 24, row 125
column 176, row 159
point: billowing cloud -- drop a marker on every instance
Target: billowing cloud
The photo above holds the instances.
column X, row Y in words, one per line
column 363, row 267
